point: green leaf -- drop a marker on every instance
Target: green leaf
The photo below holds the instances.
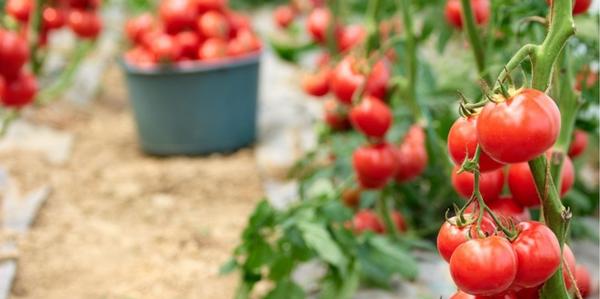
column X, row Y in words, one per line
column 286, row 289
column 318, row 238
column 402, row 261
column 260, row 253
column 282, row 267
column 228, row 267
column 262, row 216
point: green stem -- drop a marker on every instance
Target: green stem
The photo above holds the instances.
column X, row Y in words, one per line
column 411, row 63
column 385, row 213
column 331, row 39
column 476, row 43
column 35, row 32
column 515, row 61
column 373, row 12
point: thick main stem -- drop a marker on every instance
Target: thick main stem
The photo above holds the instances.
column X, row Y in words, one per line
column 478, row 50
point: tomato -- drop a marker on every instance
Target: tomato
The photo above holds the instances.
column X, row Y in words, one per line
column 213, row 24
column 14, row 53
column 522, row 185
column 206, row 5
column 83, row 4
column 374, row 165
column 2, row 87
column 178, row 15
column 85, row 24
column 53, row 18
column 351, row 197
column 189, row 42
column 451, row 235
column 463, row 295
column 166, row 49
column 490, row 184
column 212, row 49
column 238, row 22
column 19, row 9
column 336, row 115
column 531, row 293
column 453, row 11
column 371, row 117
column 284, row 16
column 586, row 79
column 508, row 208
column 20, row 91
column 485, row 266
column 317, row 84
column 399, row 221
column 538, row 253
column 138, row 26
column 347, row 78
column 140, row 57
column 367, row 220
column 584, row 282
column 578, row 144
column 569, row 263
column 411, row 155
column 579, row 6
column 462, row 143
column 317, row 23
column 351, row 36
column 520, row 128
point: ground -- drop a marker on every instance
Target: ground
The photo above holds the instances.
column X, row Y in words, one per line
column 120, row 224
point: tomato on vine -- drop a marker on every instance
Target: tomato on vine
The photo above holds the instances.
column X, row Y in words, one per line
column 367, row 220
column 19, row 9
column 336, row 115
column 371, row 117
column 411, row 155
column 462, row 143
column 453, row 12
column 374, row 165
column 14, row 53
column 317, row 23
column 350, row 36
column 490, row 183
column 317, row 84
column 578, row 144
column 20, row 90
column 584, row 282
column 284, row 16
column 452, row 234
column 85, row 24
column 349, row 75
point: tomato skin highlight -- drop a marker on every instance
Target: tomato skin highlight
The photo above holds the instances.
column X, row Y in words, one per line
column 519, row 129
column 53, row 18
column 462, row 143
column 317, row 23
column 374, row 165
column 490, row 184
column 371, row 117
column 453, row 12
column 411, row 155
column 578, row 144
column 85, row 24
column 484, row 266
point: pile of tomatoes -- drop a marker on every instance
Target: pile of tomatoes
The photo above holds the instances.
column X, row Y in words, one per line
column 485, row 262
column 189, row 30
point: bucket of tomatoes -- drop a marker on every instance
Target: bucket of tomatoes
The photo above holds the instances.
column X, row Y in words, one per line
column 192, row 77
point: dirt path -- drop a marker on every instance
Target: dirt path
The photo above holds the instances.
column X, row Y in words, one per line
column 120, row 224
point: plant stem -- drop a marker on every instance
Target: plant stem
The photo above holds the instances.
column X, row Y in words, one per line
column 476, row 43
column 411, row 63
column 35, row 32
column 372, row 25
column 385, row 213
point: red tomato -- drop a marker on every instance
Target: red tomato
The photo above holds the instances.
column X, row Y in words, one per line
column 53, row 18
column 367, row 220
column 351, row 36
column 538, row 253
column 336, row 115
column 14, row 53
column 284, row 16
column 19, row 9
column 532, row 293
column 213, row 24
column 351, row 197
column 411, row 155
column 238, row 22
column 453, row 11
column 462, row 143
column 178, row 15
column 522, row 185
column 506, row 207
column 586, row 79
column 374, row 165
column 317, row 23
column 140, row 57
column 83, row 4
column 579, row 6
column 85, row 24
column 377, row 82
column 490, row 184
column 520, row 128
column 166, row 49
column 347, row 78
column 189, row 43
column 2, row 87
column 212, row 49
column 578, row 144
column 371, row 117
column 138, row 26
column 399, row 221
column 463, row 295
column 584, row 282
column 20, row 91
column 484, row 266
column 317, row 84
column 451, row 235
column 571, row 263
column 206, row 5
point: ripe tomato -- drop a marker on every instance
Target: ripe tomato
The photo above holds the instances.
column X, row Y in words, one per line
column 531, row 293
column 351, row 36
column 367, row 220
column 411, row 155
column 347, row 78
column 579, row 6
column 538, row 253
column 2, row 87
column 351, row 197
column 463, row 295
column 451, row 235
column 141, row 57
column 317, row 23
column 85, row 24
column 399, row 221
column 484, row 266
column 578, row 144
column 14, row 53
column 83, row 4
column 178, row 15
column 19, row 9
column 371, row 117
column 213, row 24
column 584, row 282
column 377, row 82
column 520, row 128
column 20, row 91
column 212, row 49
column 284, row 16
column 189, row 43
column 374, row 165
column 166, row 49
column 522, row 185
column 506, row 207
column 206, row 5
column 238, row 22
column 138, row 26
column 569, row 263
column 462, row 143
column 53, row 18
column 586, row 79
column 317, row 84
column 336, row 115
column 453, row 11
column 490, row 184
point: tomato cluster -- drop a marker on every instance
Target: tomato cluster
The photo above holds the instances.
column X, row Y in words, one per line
column 189, row 30
column 18, row 86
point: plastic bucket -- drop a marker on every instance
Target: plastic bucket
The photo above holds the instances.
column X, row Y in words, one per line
column 195, row 109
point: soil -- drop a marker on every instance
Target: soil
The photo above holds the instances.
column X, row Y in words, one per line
column 120, row 224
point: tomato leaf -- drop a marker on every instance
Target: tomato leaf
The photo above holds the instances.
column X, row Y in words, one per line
column 401, row 261
column 319, row 239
